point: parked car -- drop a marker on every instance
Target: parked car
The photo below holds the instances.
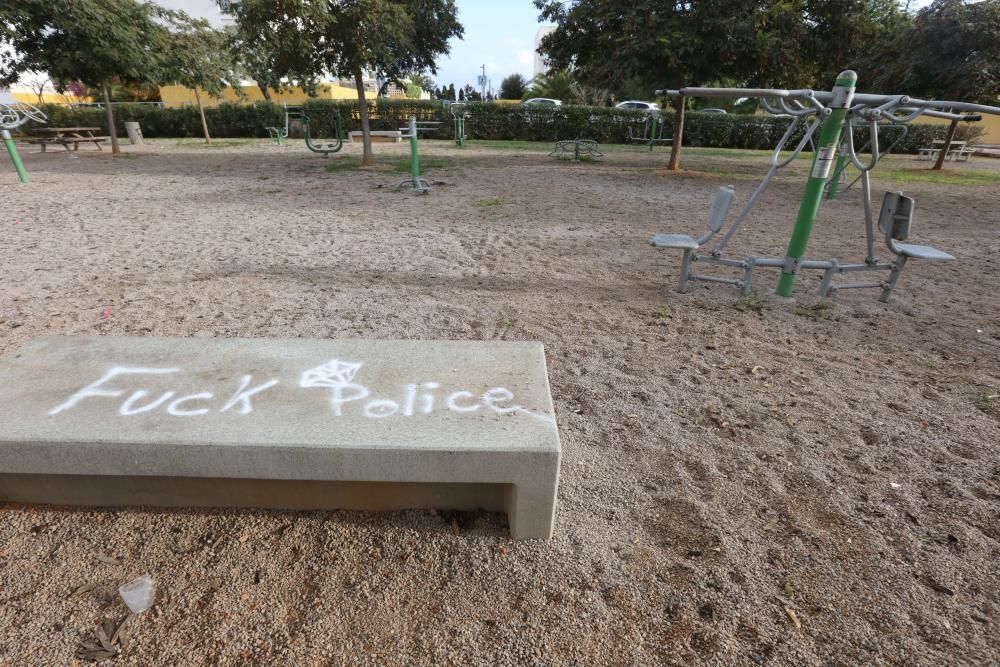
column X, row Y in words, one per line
column 543, row 100
column 637, row 104
column 711, row 111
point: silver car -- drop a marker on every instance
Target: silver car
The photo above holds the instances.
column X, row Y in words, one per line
column 637, row 104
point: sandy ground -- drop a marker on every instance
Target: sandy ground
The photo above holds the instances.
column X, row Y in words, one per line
column 743, row 482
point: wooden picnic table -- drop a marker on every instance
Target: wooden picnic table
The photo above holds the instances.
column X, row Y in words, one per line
column 65, row 136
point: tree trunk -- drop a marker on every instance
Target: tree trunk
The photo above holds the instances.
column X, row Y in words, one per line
column 947, row 145
column 366, row 132
column 110, row 115
column 675, row 147
column 201, row 112
column 264, row 90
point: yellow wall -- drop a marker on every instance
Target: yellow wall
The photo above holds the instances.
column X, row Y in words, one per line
column 990, row 123
column 49, row 98
column 178, row 96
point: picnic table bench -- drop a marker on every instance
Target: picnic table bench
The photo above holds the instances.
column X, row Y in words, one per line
column 64, row 136
column 959, row 151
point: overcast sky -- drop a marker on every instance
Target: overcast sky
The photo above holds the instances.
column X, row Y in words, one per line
column 498, row 34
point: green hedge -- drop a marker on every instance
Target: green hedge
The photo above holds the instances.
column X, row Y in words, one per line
column 485, row 120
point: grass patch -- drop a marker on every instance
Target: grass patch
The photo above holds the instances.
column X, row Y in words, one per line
column 818, row 311
column 216, row 143
column 485, row 204
column 751, row 303
column 987, row 403
column 945, row 177
column 387, row 164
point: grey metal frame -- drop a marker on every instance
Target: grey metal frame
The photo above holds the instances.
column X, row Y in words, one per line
column 809, row 106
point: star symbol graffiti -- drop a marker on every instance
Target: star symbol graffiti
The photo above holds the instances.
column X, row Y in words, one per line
column 334, row 373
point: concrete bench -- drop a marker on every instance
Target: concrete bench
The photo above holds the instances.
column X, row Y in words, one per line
column 379, row 136
column 293, row 424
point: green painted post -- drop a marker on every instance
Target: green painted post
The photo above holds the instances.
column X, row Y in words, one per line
column 826, row 150
column 414, row 155
column 831, row 192
column 14, row 157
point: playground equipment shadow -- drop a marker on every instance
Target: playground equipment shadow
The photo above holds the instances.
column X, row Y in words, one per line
column 727, row 462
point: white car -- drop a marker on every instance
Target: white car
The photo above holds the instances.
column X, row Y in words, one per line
column 637, row 104
column 543, row 100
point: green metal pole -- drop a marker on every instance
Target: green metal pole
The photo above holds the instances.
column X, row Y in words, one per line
column 838, row 171
column 414, row 155
column 14, row 157
column 652, row 132
column 826, row 151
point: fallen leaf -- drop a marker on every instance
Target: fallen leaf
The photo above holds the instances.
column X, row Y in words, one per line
column 795, row 619
column 771, row 524
column 109, row 560
column 244, row 536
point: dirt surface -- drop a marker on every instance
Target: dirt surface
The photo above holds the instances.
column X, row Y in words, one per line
column 744, row 481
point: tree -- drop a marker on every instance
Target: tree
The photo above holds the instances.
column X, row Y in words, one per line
column 38, row 84
column 196, row 56
column 461, row 94
column 950, row 52
column 674, row 44
column 451, row 92
column 92, row 41
column 556, row 83
column 310, row 38
column 513, row 87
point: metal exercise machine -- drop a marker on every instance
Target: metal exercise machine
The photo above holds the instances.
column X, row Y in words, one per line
column 416, row 181
column 652, row 131
column 13, row 116
column 325, row 146
column 577, row 148
column 833, row 114
column 459, row 113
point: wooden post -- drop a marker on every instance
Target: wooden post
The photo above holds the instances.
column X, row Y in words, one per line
column 366, row 132
column 201, row 111
column 110, row 115
column 947, row 145
column 675, row 148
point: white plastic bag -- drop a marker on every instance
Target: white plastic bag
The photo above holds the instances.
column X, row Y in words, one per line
column 138, row 593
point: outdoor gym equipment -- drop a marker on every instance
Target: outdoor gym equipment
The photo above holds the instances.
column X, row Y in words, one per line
column 13, row 116
column 829, row 112
column 578, row 147
column 652, row 131
column 279, row 134
column 415, row 180
column 838, row 182
column 459, row 113
column 329, row 147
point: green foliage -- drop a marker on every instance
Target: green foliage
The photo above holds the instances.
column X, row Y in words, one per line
column 196, row 56
column 311, row 38
column 690, row 43
column 486, row 120
column 92, row 41
column 557, row 84
column 951, row 52
column 513, row 87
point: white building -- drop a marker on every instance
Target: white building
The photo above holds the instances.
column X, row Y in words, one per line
column 541, row 64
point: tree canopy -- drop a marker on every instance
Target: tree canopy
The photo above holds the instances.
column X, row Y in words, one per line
column 308, row 39
column 670, row 44
column 951, row 52
column 513, row 87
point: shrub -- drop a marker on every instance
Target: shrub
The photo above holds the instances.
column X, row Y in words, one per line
column 485, row 120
